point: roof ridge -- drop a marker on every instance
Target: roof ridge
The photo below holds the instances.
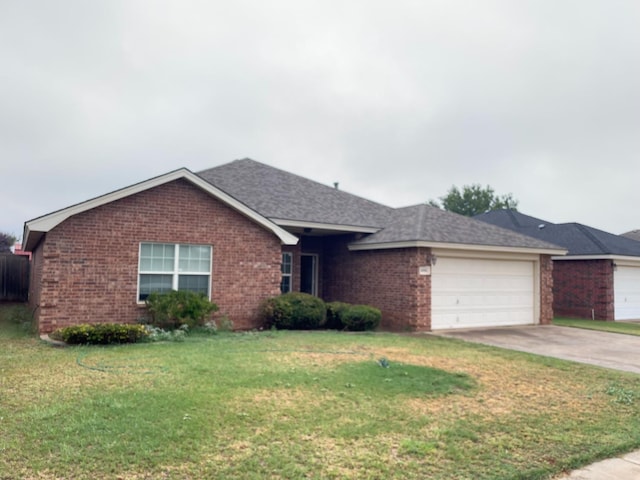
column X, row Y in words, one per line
column 513, row 217
column 422, row 214
column 585, row 230
column 300, row 177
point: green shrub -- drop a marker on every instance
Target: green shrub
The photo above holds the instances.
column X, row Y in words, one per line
column 155, row 334
column 294, row 311
column 361, row 317
column 100, row 334
column 176, row 308
column 334, row 315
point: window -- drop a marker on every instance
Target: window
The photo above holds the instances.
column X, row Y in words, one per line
column 166, row 266
column 285, row 283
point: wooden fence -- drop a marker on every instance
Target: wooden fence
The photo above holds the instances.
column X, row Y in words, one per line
column 14, row 278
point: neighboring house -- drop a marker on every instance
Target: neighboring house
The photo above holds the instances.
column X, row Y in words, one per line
column 244, row 231
column 599, row 277
column 17, row 250
column 633, row 235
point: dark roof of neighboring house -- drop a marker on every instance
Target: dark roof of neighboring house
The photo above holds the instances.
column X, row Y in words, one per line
column 430, row 224
column 280, row 195
column 578, row 239
column 277, row 194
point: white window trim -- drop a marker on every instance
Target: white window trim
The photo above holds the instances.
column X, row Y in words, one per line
column 176, row 273
column 290, row 274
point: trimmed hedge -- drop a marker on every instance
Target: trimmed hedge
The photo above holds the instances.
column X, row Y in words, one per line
column 294, row 311
column 100, row 334
column 301, row 311
column 361, row 317
column 176, row 308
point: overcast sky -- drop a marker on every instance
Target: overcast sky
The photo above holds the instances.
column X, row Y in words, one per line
column 396, row 100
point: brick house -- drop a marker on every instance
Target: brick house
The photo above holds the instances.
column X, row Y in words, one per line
column 244, row 231
column 599, row 278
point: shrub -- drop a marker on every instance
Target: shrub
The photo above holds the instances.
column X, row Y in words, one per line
column 176, row 308
column 155, row 334
column 361, row 317
column 294, row 311
column 100, row 334
column 334, row 315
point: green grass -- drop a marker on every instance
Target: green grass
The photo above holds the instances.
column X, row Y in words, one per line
column 304, row 405
column 628, row 328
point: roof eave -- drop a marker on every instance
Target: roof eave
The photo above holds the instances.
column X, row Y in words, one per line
column 608, row 256
column 324, row 226
column 454, row 246
column 45, row 223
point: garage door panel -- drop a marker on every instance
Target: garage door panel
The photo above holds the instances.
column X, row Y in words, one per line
column 626, row 286
column 479, row 293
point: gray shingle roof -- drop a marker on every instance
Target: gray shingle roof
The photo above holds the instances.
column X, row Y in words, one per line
column 277, row 194
column 280, row 195
column 578, row 239
column 633, row 235
column 430, row 224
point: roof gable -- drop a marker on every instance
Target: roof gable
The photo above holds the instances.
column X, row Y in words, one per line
column 34, row 229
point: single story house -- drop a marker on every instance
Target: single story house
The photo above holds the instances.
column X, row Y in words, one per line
column 244, row 231
column 599, row 278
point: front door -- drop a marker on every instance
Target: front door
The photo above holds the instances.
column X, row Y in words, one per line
column 309, row 273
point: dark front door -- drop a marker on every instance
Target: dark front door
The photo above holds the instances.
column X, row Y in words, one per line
column 309, row 273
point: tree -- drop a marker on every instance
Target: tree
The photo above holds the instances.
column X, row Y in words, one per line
column 473, row 200
column 6, row 242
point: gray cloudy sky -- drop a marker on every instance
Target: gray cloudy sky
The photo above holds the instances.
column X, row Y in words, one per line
column 397, row 100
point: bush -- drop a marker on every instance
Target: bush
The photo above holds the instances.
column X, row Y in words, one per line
column 155, row 334
column 361, row 317
column 294, row 311
column 176, row 308
column 100, row 334
column 334, row 315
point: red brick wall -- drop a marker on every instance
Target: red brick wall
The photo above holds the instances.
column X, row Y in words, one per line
column 583, row 285
column 546, row 289
column 89, row 263
column 386, row 279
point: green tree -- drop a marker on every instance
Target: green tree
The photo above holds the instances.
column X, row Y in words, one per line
column 473, row 200
column 6, row 242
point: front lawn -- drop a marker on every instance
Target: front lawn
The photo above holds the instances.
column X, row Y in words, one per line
column 628, row 328
column 295, row 405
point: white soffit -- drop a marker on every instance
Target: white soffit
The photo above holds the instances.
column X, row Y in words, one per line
column 324, row 226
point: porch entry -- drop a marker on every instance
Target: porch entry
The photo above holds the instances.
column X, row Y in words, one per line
column 309, row 273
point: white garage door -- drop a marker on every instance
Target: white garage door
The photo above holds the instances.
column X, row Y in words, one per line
column 626, row 288
column 481, row 293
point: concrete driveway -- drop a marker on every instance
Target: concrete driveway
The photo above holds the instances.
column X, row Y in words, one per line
column 610, row 350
